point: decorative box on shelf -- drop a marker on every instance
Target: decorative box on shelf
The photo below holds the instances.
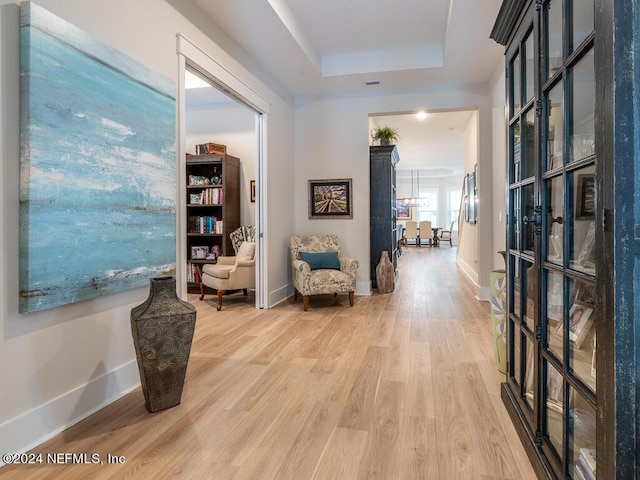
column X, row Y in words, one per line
column 210, row 148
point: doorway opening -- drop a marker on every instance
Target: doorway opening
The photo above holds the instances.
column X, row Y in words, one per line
column 225, row 108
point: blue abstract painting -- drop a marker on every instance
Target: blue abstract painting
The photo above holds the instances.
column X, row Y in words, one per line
column 97, row 166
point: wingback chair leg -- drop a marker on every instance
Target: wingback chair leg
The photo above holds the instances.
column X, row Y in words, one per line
column 305, row 302
column 295, row 294
column 351, row 295
column 220, row 293
column 201, row 290
column 245, row 292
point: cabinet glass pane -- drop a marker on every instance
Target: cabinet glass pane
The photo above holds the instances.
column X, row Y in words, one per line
column 529, row 145
column 581, row 21
column 582, row 229
column 529, row 382
column 529, row 218
column 582, row 133
column 529, row 294
column 555, row 127
column 554, row 406
column 582, row 438
column 516, row 216
column 555, row 219
column 528, row 68
column 517, row 367
column 553, row 17
column 582, row 332
column 516, row 94
column 516, row 305
column 555, row 312
column 516, row 137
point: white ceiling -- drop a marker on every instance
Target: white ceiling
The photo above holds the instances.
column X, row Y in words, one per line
column 315, row 47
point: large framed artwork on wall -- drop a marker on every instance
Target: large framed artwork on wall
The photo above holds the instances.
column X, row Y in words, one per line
column 97, row 166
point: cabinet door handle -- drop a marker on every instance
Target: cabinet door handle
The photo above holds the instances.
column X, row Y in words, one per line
column 525, row 220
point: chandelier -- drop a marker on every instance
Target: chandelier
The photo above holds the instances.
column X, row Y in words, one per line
column 416, row 200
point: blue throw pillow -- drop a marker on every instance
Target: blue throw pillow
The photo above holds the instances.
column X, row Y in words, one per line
column 322, row 260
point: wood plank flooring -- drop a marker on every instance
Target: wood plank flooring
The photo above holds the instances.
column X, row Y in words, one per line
column 402, row 386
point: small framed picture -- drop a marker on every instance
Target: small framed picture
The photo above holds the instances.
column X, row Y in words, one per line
column 580, row 322
column 555, row 302
column 194, row 199
column 584, row 293
column 586, row 198
column 199, row 252
column 330, row 198
column 253, row 190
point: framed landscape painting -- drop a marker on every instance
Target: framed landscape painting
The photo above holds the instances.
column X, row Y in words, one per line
column 97, row 166
column 403, row 209
column 330, row 198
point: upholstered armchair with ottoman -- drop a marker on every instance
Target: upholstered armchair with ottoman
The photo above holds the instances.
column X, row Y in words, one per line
column 318, row 268
column 233, row 273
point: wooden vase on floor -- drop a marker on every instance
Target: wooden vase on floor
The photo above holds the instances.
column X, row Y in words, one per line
column 162, row 329
column 385, row 273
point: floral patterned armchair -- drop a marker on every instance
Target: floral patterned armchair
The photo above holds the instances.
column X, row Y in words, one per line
column 317, row 268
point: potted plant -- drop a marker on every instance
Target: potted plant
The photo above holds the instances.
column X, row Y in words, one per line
column 385, row 135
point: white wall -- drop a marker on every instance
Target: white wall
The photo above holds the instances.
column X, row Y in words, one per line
column 469, row 235
column 233, row 125
column 332, row 141
column 499, row 172
column 59, row 365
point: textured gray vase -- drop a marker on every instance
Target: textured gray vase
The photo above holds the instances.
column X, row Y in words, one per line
column 162, row 329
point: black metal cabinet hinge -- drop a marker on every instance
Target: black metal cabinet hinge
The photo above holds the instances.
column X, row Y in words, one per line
column 538, row 333
column 538, row 5
column 538, row 108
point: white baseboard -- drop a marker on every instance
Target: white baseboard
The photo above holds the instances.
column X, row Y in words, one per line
column 38, row 425
column 363, row 288
column 483, row 294
column 280, row 295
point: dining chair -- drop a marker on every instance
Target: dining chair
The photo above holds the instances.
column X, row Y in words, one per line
column 446, row 235
column 425, row 233
column 411, row 232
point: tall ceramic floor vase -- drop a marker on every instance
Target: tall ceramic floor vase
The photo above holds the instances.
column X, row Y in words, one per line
column 385, row 273
column 162, row 329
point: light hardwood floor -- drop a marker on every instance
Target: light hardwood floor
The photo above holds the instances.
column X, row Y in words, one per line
column 401, row 386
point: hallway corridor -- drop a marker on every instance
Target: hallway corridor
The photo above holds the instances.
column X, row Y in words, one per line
column 401, row 386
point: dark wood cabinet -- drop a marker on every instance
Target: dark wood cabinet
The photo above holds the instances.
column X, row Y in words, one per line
column 383, row 224
column 571, row 377
column 213, row 210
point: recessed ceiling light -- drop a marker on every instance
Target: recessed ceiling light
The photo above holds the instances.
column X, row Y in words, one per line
column 421, row 115
column 372, row 82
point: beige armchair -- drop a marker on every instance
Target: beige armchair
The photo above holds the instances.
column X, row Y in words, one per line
column 235, row 273
column 317, row 268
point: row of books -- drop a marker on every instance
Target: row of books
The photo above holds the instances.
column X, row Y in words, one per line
column 194, row 274
column 585, row 468
column 205, row 224
column 209, row 196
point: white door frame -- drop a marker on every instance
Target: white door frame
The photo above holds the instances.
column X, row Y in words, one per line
column 190, row 55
